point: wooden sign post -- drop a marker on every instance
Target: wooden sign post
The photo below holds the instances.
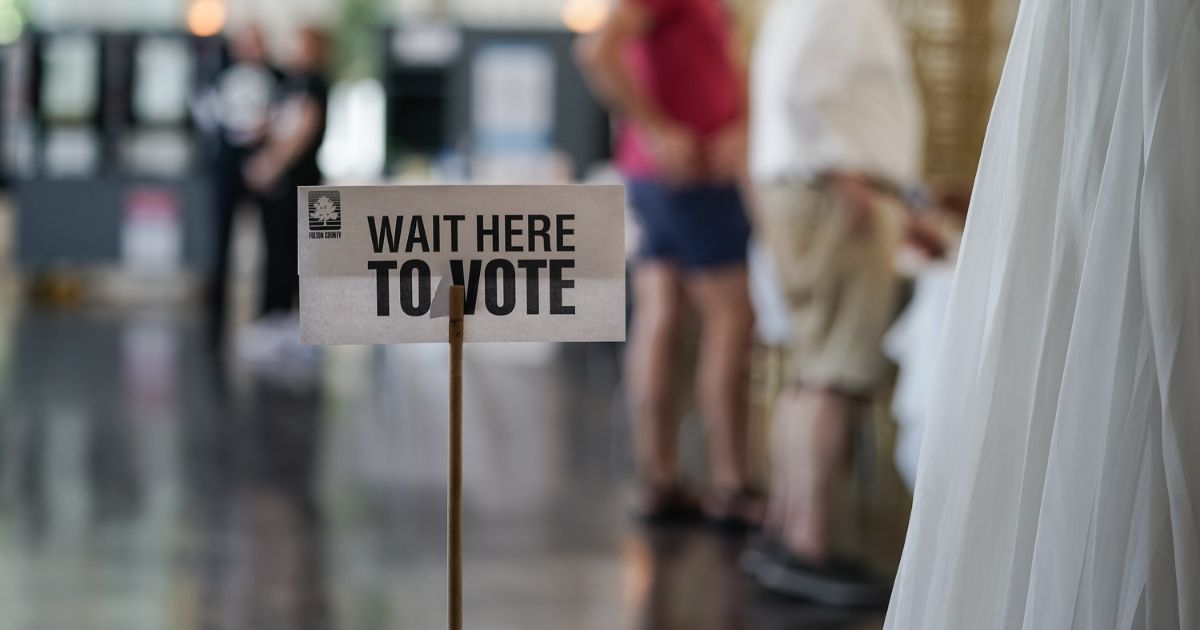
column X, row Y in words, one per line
column 454, row 487
column 385, row 264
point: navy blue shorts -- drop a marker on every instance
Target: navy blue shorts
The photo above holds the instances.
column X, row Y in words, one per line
column 697, row 227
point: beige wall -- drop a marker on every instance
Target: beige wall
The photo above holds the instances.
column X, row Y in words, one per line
column 958, row 48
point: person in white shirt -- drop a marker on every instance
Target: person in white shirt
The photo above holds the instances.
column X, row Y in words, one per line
column 835, row 141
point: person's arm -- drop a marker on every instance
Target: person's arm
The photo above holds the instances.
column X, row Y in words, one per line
column 602, row 57
column 269, row 164
column 726, row 153
column 859, row 197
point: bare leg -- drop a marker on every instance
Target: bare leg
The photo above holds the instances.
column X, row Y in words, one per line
column 816, row 426
column 650, row 368
column 782, row 508
column 723, row 300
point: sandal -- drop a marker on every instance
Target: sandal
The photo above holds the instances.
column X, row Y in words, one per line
column 668, row 505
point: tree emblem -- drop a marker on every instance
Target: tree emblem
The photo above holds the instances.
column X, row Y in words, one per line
column 324, row 209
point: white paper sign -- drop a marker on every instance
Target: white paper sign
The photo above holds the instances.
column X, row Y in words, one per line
column 538, row 263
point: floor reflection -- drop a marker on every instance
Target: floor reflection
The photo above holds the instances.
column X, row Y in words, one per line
column 144, row 486
column 689, row 580
column 255, row 534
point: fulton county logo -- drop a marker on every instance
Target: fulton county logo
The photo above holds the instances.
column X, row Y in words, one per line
column 325, row 214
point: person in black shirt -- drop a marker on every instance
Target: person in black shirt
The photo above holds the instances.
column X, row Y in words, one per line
column 287, row 160
column 235, row 114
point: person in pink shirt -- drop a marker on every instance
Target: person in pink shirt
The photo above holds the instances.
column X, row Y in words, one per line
column 667, row 68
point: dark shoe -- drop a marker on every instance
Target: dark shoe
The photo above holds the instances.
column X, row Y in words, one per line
column 760, row 552
column 836, row 582
column 736, row 512
column 668, row 506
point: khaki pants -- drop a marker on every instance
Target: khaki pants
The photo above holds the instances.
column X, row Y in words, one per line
column 841, row 284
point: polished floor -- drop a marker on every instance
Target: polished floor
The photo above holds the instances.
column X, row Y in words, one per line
column 145, row 487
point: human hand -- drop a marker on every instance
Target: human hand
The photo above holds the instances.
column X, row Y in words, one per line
column 858, row 200
column 262, row 172
column 676, row 150
column 726, row 153
column 923, row 233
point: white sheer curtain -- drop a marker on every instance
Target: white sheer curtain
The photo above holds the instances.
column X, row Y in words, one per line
column 1059, row 485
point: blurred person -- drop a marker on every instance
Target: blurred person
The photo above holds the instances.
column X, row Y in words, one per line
column 1059, row 479
column 667, row 67
column 235, row 112
column 835, row 140
column 286, row 160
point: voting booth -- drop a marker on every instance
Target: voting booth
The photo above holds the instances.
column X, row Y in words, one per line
column 101, row 157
